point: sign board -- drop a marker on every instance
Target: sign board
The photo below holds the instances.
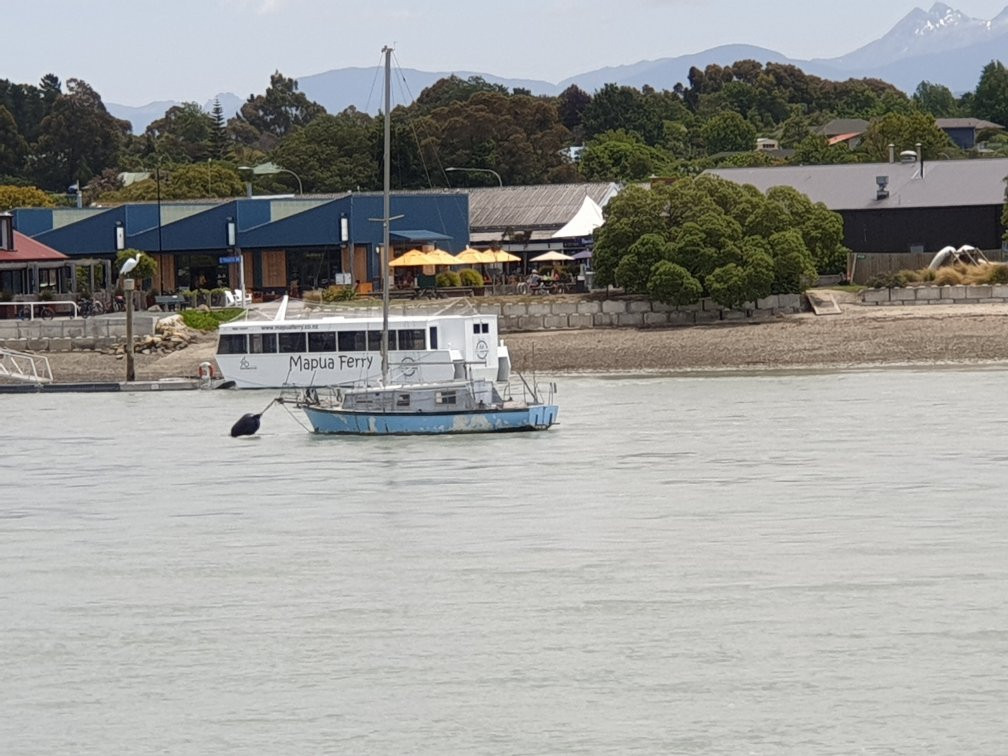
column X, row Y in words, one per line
column 226, row 260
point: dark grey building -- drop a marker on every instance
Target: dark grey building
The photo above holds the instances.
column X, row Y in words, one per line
column 903, row 206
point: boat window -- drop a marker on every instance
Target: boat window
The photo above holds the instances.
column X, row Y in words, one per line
column 231, row 344
column 481, row 328
column 352, row 341
column 444, row 397
column 323, row 341
column 291, row 342
column 402, row 400
column 262, row 343
column 412, row 338
column 433, row 337
column 374, row 340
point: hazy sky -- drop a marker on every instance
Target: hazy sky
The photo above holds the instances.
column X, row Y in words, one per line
column 137, row 51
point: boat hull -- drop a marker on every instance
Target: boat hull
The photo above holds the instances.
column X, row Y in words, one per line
column 359, row 423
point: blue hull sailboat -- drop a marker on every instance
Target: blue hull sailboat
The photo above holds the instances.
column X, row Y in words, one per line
column 463, row 404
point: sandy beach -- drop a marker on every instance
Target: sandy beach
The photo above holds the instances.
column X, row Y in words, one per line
column 859, row 335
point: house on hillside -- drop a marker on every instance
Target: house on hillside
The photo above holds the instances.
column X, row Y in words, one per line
column 844, row 131
column 900, row 207
column 966, row 133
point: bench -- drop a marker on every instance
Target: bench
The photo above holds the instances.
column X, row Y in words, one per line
column 171, row 301
column 403, row 293
column 442, row 292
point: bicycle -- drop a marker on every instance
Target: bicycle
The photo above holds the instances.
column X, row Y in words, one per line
column 88, row 307
column 45, row 311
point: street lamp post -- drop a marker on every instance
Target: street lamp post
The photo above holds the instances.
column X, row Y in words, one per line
column 478, row 170
column 270, row 169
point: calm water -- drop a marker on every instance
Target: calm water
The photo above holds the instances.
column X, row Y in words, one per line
column 807, row 564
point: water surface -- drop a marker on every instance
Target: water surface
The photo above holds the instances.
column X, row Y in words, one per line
column 772, row 563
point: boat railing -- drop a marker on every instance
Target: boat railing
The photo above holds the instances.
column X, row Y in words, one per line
column 530, row 392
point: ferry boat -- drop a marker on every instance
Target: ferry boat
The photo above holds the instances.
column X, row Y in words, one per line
column 345, row 349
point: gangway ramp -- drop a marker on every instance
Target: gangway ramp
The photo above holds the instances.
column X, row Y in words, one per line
column 24, row 366
column 822, row 302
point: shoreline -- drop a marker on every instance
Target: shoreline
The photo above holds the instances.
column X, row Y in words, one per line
column 858, row 337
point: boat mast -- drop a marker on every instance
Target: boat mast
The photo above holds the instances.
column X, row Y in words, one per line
column 386, row 252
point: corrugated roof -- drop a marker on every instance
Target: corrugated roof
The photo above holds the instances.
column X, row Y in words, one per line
column 844, row 126
column 530, row 208
column 965, row 123
column 946, row 183
column 842, row 138
column 27, row 249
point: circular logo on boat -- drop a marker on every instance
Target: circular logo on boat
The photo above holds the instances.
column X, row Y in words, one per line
column 482, row 350
column 408, row 367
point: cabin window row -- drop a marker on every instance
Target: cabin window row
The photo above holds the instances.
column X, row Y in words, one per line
column 411, row 339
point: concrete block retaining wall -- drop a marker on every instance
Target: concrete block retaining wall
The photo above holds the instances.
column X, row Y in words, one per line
column 72, row 334
column 633, row 313
column 925, row 295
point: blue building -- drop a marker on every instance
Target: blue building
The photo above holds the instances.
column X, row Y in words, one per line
column 285, row 242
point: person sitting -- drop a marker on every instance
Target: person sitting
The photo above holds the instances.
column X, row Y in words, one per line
column 534, row 281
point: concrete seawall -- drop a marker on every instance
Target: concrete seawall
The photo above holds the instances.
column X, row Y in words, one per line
column 553, row 314
column 945, row 295
column 73, row 334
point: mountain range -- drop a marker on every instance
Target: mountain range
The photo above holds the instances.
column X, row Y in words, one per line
column 941, row 45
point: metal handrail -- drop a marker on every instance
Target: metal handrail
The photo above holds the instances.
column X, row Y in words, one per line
column 33, row 304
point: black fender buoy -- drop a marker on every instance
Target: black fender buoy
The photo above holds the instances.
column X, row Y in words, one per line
column 247, row 425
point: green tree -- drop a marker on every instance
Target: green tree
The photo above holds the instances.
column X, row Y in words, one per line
column 519, row 137
column 623, row 156
column 794, row 268
column 728, row 132
column 454, row 90
column 935, row 99
column 13, row 147
column 219, row 135
column 727, row 286
column 78, row 139
column 629, row 215
column 815, row 149
column 334, row 153
column 277, row 112
column 184, row 134
column 23, row 196
column 990, row 100
column 673, row 285
column 185, row 181
column 703, row 225
column 571, row 106
column 634, row 269
column 904, row 131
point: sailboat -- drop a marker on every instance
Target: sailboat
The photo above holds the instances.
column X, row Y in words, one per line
column 463, row 404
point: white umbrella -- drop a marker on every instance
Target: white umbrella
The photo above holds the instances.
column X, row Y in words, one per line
column 552, row 256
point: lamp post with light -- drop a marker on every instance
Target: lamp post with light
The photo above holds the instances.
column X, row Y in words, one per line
column 478, row 170
column 270, row 169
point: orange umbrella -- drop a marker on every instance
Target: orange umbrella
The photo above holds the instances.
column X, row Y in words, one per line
column 500, row 256
column 470, row 256
column 415, row 257
column 440, row 257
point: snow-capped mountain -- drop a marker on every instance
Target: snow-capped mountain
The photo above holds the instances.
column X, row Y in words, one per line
column 941, row 45
column 921, row 34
